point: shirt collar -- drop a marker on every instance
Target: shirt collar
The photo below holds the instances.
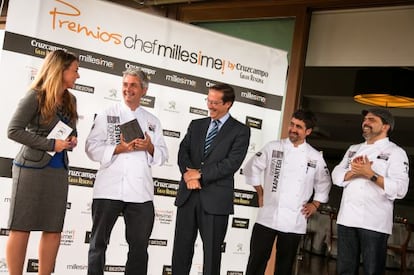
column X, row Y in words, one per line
column 379, row 142
column 223, row 119
column 300, row 146
column 126, row 107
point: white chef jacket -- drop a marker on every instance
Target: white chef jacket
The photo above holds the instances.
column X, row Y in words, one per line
column 126, row 176
column 364, row 204
column 291, row 174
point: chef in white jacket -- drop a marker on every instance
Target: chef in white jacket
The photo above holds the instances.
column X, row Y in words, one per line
column 373, row 174
column 285, row 174
column 124, row 181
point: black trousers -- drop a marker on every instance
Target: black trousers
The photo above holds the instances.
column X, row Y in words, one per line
column 139, row 221
column 261, row 244
column 192, row 218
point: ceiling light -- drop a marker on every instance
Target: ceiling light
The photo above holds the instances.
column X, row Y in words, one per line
column 386, row 87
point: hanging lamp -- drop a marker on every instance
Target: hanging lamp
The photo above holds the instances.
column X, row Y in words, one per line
column 390, row 87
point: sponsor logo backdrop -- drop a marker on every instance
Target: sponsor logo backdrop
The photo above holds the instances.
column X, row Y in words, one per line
column 182, row 62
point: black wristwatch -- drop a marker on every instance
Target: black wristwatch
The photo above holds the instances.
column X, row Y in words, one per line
column 374, row 178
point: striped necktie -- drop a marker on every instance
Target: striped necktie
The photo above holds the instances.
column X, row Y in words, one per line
column 211, row 135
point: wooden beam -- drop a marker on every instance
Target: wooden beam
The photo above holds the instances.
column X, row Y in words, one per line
column 296, row 67
column 227, row 11
column 218, row 5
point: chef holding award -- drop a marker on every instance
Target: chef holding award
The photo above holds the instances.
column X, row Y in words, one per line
column 126, row 140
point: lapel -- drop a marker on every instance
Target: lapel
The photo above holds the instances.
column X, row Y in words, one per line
column 221, row 134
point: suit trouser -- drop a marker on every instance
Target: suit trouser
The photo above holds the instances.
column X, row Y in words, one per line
column 261, row 244
column 139, row 221
column 191, row 217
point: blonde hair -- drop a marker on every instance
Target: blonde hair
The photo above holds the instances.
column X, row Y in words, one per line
column 49, row 83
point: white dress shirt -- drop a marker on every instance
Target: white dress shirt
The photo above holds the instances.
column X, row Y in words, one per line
column 291, row 174
column 126, row 176
column 364, row 204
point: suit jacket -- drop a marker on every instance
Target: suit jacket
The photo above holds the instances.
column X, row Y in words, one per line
column 217, row 166
column 26, row 127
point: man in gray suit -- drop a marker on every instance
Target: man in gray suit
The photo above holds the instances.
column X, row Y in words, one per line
column 209, row 155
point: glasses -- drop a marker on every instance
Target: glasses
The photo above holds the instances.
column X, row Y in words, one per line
column 214, row 103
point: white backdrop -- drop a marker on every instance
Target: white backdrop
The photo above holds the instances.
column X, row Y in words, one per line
column 182, row 61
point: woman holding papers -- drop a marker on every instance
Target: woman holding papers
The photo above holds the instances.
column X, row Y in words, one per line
column 45, row 124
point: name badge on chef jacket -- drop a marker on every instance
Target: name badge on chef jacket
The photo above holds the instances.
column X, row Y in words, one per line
column 383, row 156
column 113, row 130
column 277, row 154
column 311, row 164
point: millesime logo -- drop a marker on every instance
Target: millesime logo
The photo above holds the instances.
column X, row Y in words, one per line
column 76, row 267
column 66, row 17
column 181, row 80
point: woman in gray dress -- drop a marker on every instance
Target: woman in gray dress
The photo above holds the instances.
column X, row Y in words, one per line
column 40, row 169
